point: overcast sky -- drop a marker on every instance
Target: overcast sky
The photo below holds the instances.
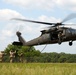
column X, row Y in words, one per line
column 43, row 10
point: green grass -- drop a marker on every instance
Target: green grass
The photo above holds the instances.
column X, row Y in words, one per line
column 37, row 68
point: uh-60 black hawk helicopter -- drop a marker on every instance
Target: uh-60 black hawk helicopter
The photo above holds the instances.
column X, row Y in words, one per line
column 56, row 33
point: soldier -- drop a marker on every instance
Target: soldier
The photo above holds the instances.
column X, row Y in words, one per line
column 1, row 56
column 12, row 56
column 21, row 57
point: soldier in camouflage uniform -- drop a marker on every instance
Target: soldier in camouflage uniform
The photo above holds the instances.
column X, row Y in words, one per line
column 21, row 57
column 12, row 55
column 1, row 56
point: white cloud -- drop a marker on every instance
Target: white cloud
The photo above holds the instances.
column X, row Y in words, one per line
column 7, row 14
column 67, row 4
column 8, row 25
column 44, row 4
column 48, row 19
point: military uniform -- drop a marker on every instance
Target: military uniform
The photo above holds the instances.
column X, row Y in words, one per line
column 1, row 56
column 12, row 56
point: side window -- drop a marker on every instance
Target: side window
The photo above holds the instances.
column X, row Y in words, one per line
column 69, row 31
column 46, row 36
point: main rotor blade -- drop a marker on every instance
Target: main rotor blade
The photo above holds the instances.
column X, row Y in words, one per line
column 34, row 21
column 69, row 17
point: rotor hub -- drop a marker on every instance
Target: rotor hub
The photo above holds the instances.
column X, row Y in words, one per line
column 57, row 24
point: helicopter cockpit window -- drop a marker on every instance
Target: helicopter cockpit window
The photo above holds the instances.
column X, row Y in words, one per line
column 71, row 31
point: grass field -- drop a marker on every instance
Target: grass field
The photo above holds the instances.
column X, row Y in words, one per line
column 37, row 68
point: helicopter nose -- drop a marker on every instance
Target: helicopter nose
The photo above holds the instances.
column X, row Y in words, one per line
column 18, row 33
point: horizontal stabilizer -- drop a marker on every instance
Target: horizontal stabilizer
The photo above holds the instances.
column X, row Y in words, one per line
column 17, row 43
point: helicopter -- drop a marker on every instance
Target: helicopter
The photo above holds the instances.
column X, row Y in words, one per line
column 56, row 33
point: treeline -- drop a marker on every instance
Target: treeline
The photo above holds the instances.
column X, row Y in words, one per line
column 33, row 55
column 58, row 58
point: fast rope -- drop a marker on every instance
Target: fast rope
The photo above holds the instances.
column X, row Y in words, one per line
column 44, row 48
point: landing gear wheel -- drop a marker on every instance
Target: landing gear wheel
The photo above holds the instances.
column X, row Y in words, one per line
column 70, row 43
column 59, row 42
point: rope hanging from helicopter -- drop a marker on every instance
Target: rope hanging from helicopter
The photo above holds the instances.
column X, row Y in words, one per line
column 44, row 48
